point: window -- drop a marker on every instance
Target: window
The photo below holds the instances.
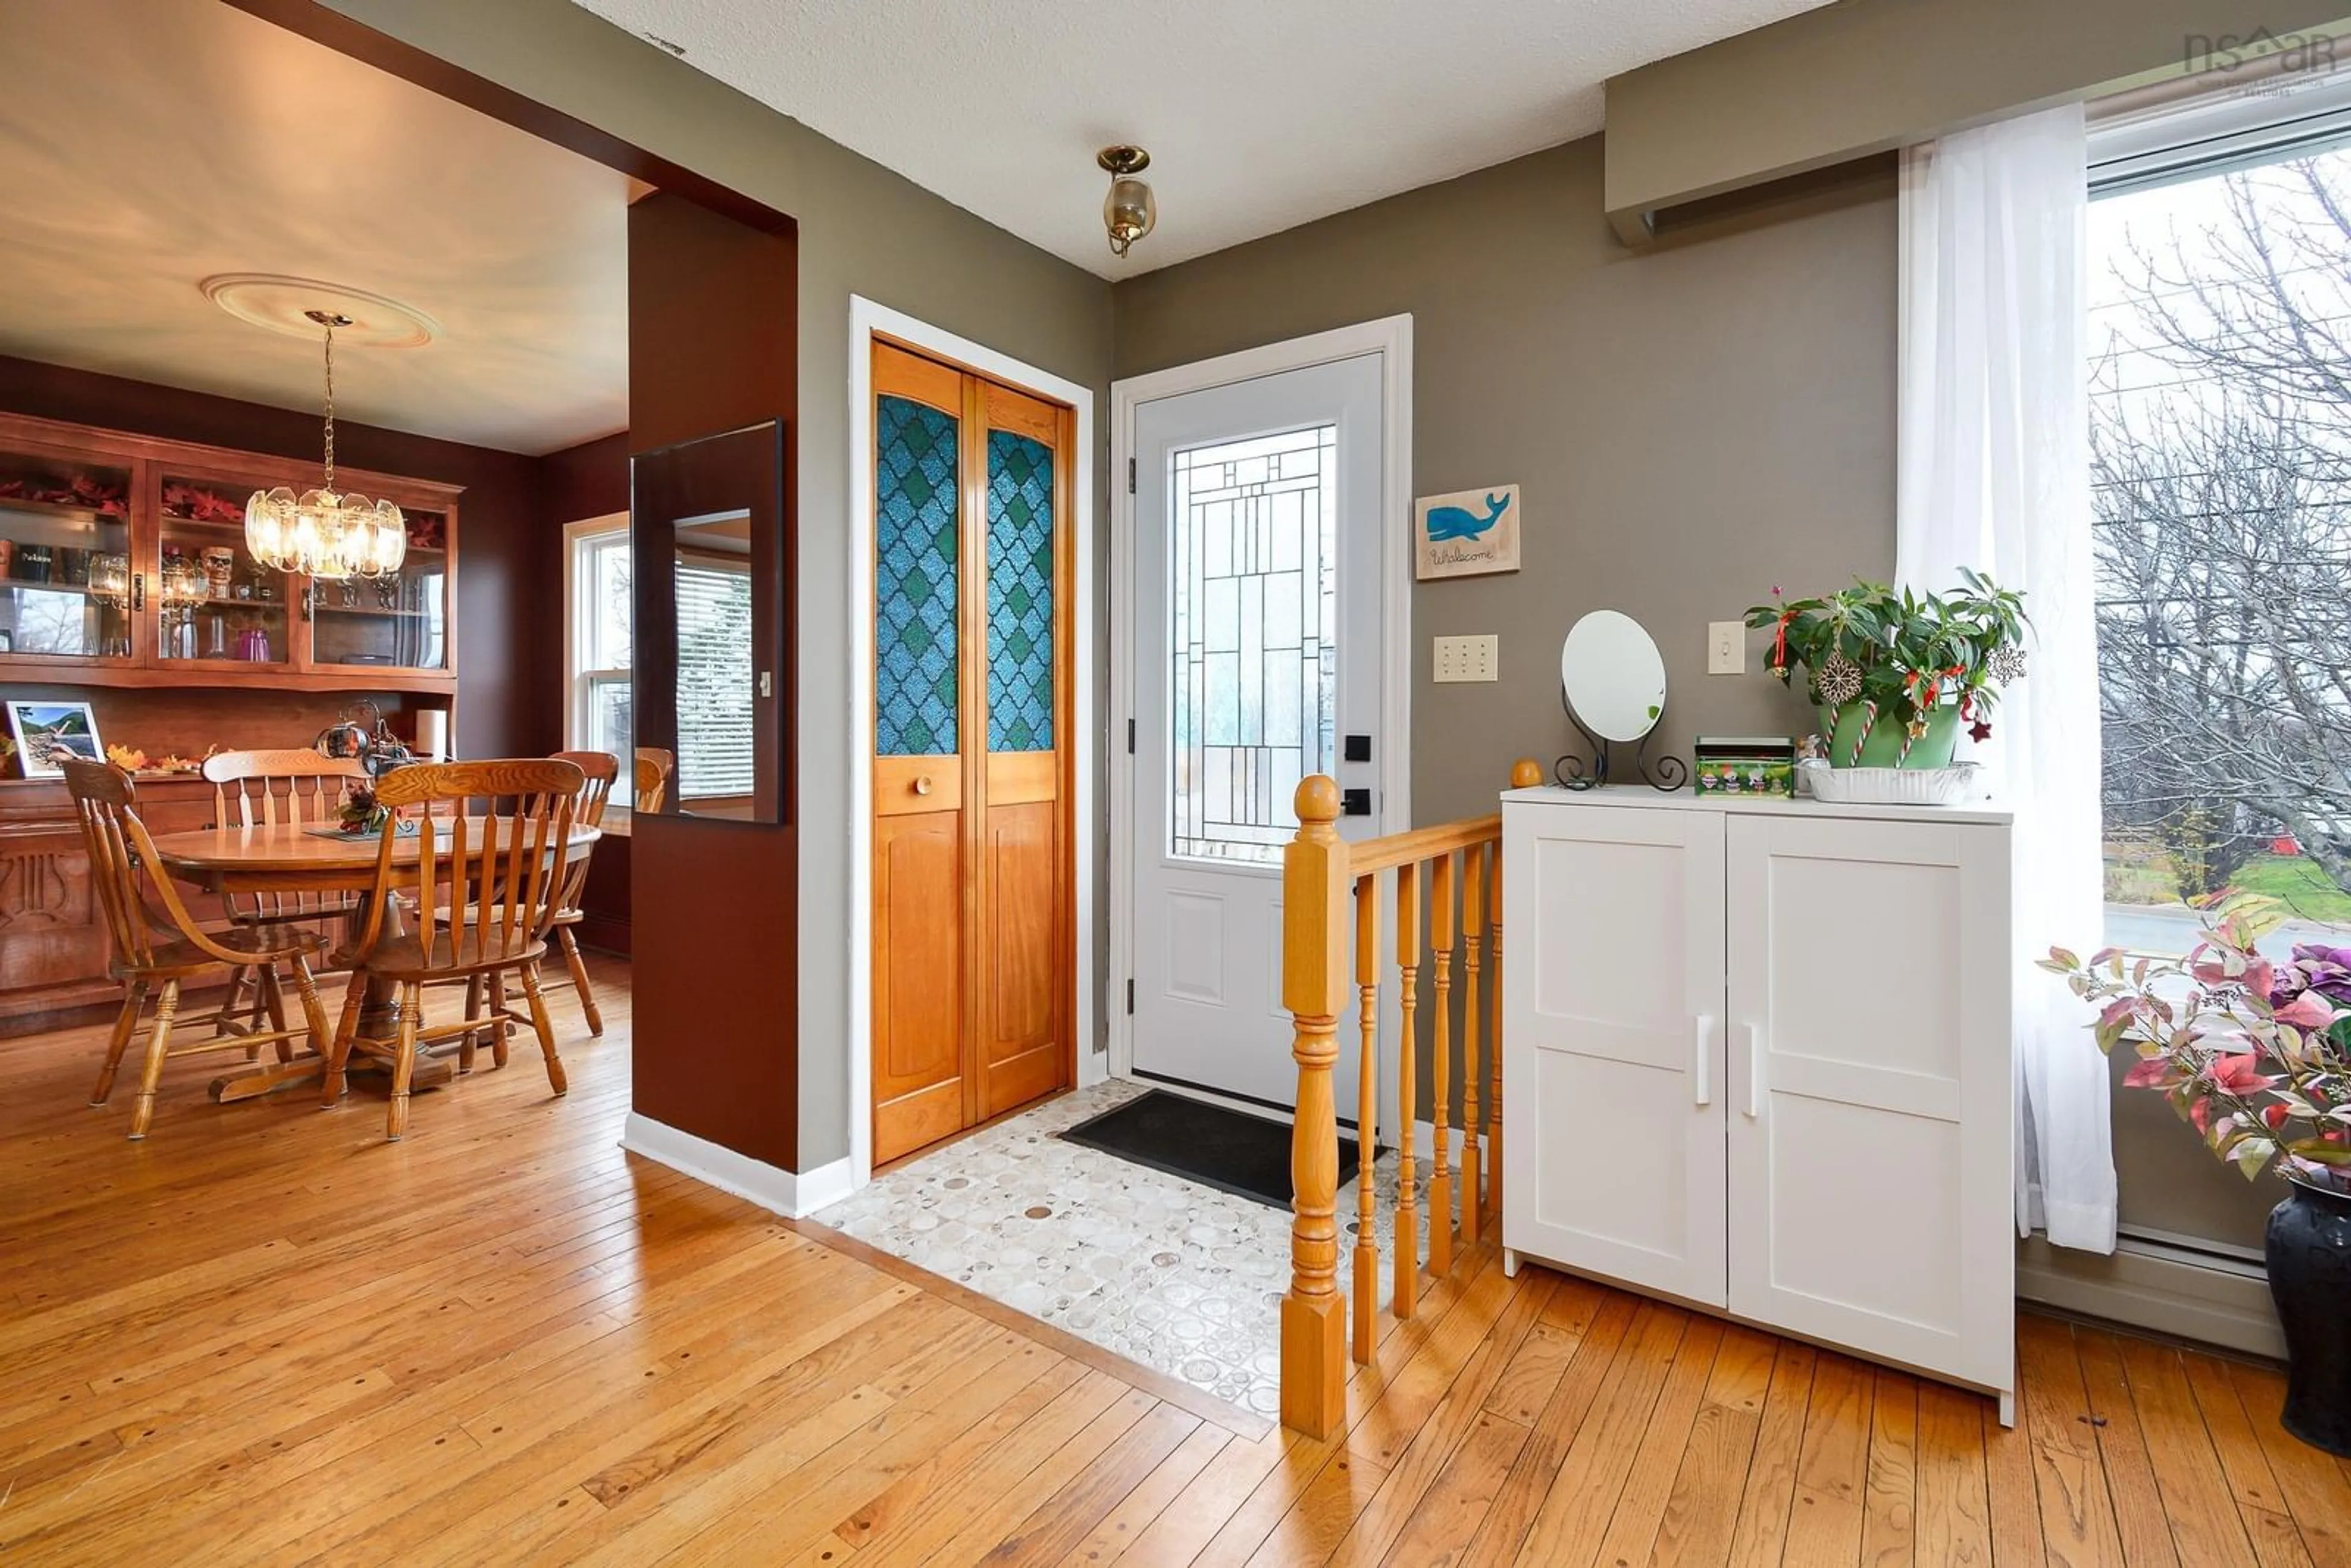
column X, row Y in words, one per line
column 597, row 610
column 2220, row 344
column 714, row 676
column 1253, row 687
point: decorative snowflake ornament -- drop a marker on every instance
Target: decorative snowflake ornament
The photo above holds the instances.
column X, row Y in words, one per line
column 1838, row 680
column 2006, row 663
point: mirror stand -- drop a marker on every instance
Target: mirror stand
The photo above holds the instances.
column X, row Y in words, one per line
column 1666, row 773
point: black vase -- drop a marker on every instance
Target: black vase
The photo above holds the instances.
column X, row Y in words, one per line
column 2310, row 1280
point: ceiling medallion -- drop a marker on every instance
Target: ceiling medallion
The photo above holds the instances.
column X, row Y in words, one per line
column 1129, row 211
column 287, row 305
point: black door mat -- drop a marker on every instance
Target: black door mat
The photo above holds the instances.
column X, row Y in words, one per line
column 1231, row 1151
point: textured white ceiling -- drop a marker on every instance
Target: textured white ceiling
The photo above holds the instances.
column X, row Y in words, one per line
column 1259, row 114
column 147, row 144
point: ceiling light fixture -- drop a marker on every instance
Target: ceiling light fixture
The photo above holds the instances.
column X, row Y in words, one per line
column 1129, row 211
column 326, row 533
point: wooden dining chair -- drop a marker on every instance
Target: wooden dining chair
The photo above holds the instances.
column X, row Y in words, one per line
column 654, row 768
column 149, row 951
column 259, row 788
column 601, row 769
column 485, row 902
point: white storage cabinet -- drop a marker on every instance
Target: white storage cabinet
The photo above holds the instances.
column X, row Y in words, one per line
column 1756, row 1058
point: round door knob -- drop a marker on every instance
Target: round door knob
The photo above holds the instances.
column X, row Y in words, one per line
column 922, row 785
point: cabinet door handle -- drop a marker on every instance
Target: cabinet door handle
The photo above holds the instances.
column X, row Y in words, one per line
column 1702, row 1059
column 1754, row 1070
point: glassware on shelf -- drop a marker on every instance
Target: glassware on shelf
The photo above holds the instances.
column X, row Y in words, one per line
column 109, row 591
column 181, row 586
column 61, row 524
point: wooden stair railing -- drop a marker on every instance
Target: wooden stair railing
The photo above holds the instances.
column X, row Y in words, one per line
column 1460, row 861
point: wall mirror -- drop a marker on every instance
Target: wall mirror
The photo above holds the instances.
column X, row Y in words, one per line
column 709, row 565
column 1612, row 676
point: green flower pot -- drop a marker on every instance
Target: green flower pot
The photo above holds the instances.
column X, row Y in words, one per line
column 1882, row 743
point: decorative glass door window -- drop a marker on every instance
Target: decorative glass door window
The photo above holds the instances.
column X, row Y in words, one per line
column 1252, row 531
column 1019, row 592
column 915, row 680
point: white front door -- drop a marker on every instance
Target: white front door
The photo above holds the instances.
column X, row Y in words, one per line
column 1258, row 661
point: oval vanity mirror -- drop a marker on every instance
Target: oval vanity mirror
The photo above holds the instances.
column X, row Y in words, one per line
column 1612, row 676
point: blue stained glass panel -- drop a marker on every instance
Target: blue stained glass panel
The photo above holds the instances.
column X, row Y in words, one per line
column 1019, row 592
column 914, row 688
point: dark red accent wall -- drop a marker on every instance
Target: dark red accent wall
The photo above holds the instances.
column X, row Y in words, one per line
column 503, row 649
column 713, row 346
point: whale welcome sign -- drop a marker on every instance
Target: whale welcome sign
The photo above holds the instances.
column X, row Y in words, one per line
column 1467, row 534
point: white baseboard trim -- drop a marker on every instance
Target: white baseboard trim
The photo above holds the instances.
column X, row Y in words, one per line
column 2163, row 1290
column 779, row 1191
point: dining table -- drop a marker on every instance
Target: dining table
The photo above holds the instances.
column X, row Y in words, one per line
column 298, row 858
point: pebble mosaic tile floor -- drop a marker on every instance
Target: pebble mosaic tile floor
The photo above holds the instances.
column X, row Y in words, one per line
column 1180, row 1277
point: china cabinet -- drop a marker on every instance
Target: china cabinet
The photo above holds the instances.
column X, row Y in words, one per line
column 1761, row 1053
column 122, row 562
column 124, row 573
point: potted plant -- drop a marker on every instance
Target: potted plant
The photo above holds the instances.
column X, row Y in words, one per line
column 2255, row 1054
column 1895, row 674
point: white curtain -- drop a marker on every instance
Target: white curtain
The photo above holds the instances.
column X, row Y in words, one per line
column 1995, row 472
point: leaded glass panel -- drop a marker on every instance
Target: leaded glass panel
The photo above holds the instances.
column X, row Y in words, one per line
column 915, row 687
column 1253, row 604
column 1019, row 592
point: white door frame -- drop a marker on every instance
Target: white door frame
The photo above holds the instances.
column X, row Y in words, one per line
column 867, row 318
column 1390, row 336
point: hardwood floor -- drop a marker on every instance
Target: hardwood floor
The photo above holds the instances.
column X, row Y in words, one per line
column 264, row 1335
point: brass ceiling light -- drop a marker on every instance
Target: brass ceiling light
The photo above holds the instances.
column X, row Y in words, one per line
column 1129, row 211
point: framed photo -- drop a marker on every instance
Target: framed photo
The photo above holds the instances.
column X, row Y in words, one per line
column 48, row 732
column 1467, row 534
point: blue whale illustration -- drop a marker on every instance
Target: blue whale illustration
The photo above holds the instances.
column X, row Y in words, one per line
column 1460, row 523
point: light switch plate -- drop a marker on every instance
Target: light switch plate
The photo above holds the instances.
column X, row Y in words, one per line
column 1467, row 658
column 1726, row 648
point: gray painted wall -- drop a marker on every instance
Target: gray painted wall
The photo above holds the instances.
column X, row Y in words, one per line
column 1691, row 425
column 863, row 229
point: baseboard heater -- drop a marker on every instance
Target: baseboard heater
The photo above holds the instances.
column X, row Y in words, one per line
column 2174, row 1286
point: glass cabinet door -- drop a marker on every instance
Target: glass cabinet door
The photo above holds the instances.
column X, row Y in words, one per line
column 65, row 569
column 211, row 602
column 399, row 623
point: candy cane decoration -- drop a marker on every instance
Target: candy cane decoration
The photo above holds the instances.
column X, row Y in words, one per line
column 1868, row 724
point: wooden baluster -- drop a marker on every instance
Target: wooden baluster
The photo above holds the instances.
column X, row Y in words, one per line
column 1440, row 1175
column 1367, row 1113
column 1408, row 1223
column 1313, row 979
column 1473, row 926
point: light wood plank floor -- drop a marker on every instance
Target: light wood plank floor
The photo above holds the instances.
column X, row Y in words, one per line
column 266, row 1336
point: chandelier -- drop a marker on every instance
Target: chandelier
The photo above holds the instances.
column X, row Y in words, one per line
column 325, row 533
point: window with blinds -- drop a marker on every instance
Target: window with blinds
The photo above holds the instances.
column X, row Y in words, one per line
column 714, row 677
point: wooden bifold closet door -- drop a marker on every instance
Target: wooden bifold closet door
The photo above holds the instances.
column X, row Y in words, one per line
column 974, row 959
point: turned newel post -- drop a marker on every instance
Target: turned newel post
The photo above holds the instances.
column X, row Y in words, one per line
column 1316, row 921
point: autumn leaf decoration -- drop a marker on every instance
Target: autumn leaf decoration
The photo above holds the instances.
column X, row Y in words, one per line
column 2252, row 1052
